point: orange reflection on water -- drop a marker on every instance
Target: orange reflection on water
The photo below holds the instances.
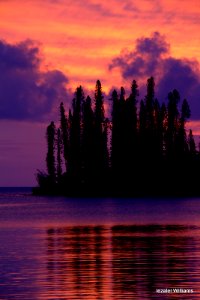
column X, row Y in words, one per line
column 78, row 262
column 121, row 262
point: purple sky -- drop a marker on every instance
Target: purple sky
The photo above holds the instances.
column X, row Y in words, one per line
column 22, row 151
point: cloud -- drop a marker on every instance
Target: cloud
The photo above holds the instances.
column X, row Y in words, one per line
column 151, row 57
column 26, row 92
column 145, row 59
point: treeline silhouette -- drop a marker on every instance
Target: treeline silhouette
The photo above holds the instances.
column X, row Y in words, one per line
column 143, row 149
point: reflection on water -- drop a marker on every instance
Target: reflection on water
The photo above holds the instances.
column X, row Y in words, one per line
column 49, row 252
column 102, row 262
column 121, row 262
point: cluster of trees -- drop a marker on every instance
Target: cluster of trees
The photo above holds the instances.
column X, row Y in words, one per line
column 142, row 149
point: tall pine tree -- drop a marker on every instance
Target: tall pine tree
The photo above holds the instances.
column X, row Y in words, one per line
column 99, row 140
column 64, row 134
column 50, row 158
column 75, row 153
column 88, row 140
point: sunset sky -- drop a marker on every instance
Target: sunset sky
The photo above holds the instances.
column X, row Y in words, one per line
column 49, row 47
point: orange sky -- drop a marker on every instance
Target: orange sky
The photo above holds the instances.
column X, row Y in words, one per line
column 81, row 38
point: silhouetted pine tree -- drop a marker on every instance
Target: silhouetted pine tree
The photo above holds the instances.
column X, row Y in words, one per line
column 147, row 125
column 163, row 129
column 64, row 134
column 50, row 158
column 59, row 151
column 100, row 162
column 106, row 126
column 150, row 122
column 175, row 144
column 75, row 153
column 161, row 163
column 88, row 140
column 131, row 132
column 131, row 107
column 193, row 166
column 182, row 143
column 119, row 140
column 122, row 136
column 158, row 131
column 172, row 123
column 191, row 144
column 149, row 102
column 142, row 132
column 115, row 133
column 148, row 137
column 150, row 151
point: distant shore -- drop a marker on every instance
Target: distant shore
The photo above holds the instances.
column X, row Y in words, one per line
column 85, row 193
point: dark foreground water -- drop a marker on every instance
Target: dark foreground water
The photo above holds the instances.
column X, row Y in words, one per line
column 105, row 249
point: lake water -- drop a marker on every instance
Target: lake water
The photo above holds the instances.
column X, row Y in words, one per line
column 98, row 249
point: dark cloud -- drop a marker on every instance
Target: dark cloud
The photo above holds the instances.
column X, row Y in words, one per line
column 145, row 59
column 26, row 92
column 151, row 57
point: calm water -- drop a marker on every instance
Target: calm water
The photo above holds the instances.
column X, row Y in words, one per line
column 105, row 249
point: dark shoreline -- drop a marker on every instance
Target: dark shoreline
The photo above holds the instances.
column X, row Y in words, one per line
column 37, row 191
